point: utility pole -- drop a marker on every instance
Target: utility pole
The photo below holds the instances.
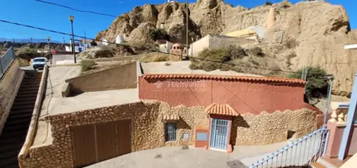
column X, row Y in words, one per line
column 85, row 40
column 71, row 19
column 187, row 19
column 48, row 44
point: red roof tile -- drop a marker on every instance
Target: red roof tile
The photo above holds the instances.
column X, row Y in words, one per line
column 172, row 117
column 224, row 77
column 221, row 109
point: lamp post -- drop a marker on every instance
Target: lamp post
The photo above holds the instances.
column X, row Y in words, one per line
column 48, row 44
column 71, row 19
column 187, row 19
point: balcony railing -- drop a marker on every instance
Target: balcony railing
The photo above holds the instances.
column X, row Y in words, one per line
column 298, row 153
column 6, row 60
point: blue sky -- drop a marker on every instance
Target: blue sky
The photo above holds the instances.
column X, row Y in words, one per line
column 42, row 15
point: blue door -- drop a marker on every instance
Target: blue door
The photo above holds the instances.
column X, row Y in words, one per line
column 219, row 134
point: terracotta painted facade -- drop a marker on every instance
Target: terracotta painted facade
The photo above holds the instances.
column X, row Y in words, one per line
column 335, row 138
column 244, row 94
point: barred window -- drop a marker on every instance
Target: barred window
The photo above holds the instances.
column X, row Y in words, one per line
column 170, row 131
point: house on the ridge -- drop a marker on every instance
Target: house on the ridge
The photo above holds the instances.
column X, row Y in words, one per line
column 239, row 109
column 152, row 105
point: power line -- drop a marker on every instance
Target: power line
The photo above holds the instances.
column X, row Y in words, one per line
column 74, row 9
column 49, row 30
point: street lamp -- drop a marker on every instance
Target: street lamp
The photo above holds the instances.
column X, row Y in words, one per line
column 187, row 19
column 71, row 19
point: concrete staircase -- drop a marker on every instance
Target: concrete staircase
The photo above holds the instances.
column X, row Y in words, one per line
column 327, row 163
column 15, row 130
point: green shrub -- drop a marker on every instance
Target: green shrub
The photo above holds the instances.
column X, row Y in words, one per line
column 256, row 51
column 212, row 59
column 317, row 83
column 155, row 58
column 87, row 65
column 236, row 52
column 267, row 3
column 27, row 53
column 217, row 55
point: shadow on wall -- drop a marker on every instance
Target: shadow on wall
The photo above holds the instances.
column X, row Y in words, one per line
column 119, row 77
column 237, row 122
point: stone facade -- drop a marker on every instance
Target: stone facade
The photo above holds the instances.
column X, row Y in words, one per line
column 268, row 128
column 148, row 128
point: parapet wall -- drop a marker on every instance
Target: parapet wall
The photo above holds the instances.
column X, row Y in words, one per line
column 9, row 85
column 148, row 129
column 120, row 77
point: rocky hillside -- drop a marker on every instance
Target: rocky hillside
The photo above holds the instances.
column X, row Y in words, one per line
column 297, row 35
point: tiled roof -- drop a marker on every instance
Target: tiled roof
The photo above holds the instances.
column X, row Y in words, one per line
column 170, row 117
column 221, row 109
column 225, row 77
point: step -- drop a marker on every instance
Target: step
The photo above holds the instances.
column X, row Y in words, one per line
column 23, row 103
column 19, row 98
column 13, row 133
column 16, row 116
column 26, row 79
column 326, row 163
column 23, row 127
column 10, row 147
column 24, row 107
column 5, row 141
column 10, row 123
column 30, row 83
column 21, row 112
column 26, row 92
column 9, row 154
column 24, row 95
column 29, row 88
column 9, row 163
column 317, row 165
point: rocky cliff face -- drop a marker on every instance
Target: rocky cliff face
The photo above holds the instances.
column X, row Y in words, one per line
column 297, row 35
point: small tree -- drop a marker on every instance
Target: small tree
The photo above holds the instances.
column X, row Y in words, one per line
column 87, row 65
column 159, row 34
column 268, row 3
column 317, row 83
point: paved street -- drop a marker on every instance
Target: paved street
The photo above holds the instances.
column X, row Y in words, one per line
column 176, row 157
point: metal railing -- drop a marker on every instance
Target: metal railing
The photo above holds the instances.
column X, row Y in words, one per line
column 6, row 60
column 298, row 153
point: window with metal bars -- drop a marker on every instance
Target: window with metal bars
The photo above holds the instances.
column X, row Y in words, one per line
column 170, row 131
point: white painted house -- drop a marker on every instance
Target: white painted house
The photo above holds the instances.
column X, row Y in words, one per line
column 120, row 39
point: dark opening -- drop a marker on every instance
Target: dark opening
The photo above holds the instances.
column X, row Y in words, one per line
column 290, row 134
column 170, row 132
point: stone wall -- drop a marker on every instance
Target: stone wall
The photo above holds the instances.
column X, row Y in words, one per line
column 268, row 128
column 148, row 128
column 9, row 85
